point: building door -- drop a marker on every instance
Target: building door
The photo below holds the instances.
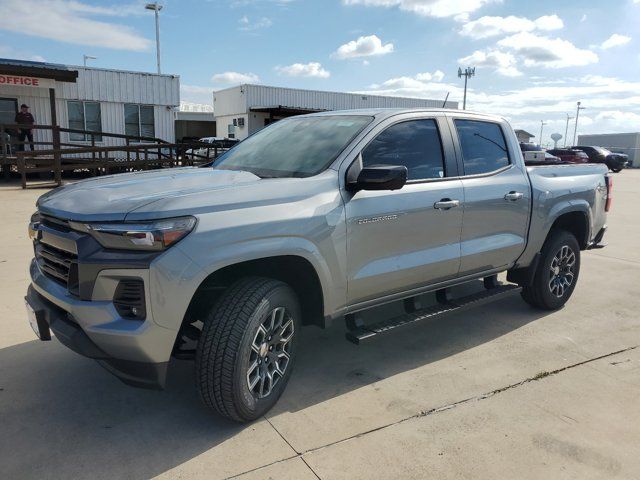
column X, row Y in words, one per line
column 8, row 110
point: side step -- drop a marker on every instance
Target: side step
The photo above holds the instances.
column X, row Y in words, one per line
column 359, row 333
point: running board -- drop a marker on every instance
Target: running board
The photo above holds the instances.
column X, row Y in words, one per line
column 359, row 333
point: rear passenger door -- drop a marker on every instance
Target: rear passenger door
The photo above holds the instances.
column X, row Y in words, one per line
column 497, row 197
column 402, row 239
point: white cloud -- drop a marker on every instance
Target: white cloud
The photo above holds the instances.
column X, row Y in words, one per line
column 488, row 26
column 583, row 18
column 68, row 21
column 428, row 8
column 615, row 40
column 621, row 120
column 436, row 76
column 10, row 52
column 613, row 105
column 196, row 94
column 365, row 46
column 235, row 78
column 536, row 51
column 311, row 69
column 504, row 63
column 246, row 25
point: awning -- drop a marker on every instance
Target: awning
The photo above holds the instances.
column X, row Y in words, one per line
column 285, row 111
column 25, row 68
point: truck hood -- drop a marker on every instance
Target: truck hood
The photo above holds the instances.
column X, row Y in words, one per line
column 113, row 197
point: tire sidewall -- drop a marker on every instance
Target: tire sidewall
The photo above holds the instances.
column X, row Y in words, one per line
column 247, row 404
column 559, row 239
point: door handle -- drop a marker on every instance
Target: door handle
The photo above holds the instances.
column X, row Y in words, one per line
column 446, row 204
column 513, row 196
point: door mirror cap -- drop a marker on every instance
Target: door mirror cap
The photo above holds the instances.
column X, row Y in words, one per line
column 380, row 177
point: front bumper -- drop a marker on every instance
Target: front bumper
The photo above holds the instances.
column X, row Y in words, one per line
column 617, row 162
column 66, row 329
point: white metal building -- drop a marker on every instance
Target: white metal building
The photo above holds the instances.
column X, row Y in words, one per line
column 245, row 109
column 112, row 101
column 628, row 143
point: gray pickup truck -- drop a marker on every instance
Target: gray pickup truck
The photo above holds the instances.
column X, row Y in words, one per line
column 314, row 219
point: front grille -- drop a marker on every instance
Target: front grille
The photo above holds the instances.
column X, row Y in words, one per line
column 129, row 299
column 57, row 264
column 55, row 223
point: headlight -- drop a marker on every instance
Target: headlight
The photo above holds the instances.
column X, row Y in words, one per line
column 156, row 235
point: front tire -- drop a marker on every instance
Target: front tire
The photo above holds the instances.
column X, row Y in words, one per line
column 557, row 272
column 247, row 348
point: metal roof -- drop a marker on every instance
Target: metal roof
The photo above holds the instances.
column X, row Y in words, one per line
column 55, row 71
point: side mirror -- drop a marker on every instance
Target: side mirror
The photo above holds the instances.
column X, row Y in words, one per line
column 380, row 177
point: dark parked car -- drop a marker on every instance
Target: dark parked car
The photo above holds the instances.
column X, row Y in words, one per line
column 615, row 161
column 570, row 155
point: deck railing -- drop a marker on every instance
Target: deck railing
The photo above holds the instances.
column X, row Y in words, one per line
column 133, row 153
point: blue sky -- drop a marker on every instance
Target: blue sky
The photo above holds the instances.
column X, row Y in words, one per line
column 534, row 60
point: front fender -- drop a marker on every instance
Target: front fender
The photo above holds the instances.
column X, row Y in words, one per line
column 176, row 290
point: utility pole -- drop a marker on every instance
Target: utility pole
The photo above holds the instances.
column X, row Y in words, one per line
column 542, row 124
column 566, row 130
column 575, row 131
column 156, row 7
column 87, row 57
column 467, row 73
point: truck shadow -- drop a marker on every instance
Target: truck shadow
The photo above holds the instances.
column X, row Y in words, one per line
column 63, row 416
column 329, row 366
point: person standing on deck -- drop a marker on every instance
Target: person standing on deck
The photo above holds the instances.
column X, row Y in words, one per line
column 26, row 121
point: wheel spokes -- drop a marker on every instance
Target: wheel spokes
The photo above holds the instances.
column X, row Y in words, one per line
column 561, row 275
column 269, row 355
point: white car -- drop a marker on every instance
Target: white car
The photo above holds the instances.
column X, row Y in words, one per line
column 209, row 152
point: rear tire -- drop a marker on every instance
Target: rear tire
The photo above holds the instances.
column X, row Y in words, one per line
column 557, row 272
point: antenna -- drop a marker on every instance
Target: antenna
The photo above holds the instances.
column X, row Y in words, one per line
column 444, row 104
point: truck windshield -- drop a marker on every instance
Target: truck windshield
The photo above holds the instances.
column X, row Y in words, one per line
column 295, row 147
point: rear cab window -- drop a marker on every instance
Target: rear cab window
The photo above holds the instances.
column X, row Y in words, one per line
column 484, row 147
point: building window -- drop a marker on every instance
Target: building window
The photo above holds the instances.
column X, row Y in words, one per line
column 139, row 120
column 8, row 110
column 84, row 116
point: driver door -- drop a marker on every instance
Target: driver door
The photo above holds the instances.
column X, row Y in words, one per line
column 408, row 238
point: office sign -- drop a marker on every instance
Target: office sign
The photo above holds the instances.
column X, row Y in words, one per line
column 20, row 81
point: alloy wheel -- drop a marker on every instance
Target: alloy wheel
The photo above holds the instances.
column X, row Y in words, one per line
column 561, row 271
column 270, row 352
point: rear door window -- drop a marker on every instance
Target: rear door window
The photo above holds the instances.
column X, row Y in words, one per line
column 484, row 148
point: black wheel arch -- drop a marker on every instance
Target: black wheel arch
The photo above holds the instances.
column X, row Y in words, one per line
column 294, row 270
column 575, row 222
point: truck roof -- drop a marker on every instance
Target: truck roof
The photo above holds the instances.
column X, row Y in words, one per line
column 388, row 112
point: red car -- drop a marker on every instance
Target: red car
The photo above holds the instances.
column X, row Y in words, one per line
column 570, row 155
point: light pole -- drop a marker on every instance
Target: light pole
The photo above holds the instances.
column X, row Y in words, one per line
column 566, row 130
column 467, row 73
column 575, row 131
column 87, row 57
column 156, row 7
column 542, row 124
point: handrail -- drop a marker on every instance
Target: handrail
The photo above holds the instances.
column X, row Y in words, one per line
column 21, row 126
